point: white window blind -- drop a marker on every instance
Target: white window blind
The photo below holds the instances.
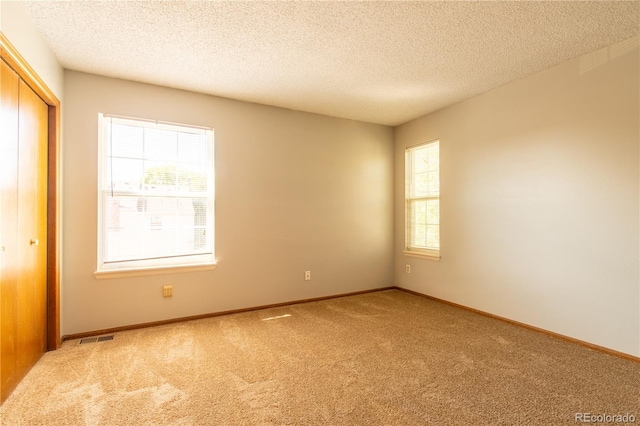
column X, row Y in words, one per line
column 423, row 199
column 156, row 189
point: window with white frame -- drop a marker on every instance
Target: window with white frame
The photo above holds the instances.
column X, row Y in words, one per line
column 156, row 195
column 422, row 167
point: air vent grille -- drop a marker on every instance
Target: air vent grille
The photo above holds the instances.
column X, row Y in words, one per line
column 96, row 339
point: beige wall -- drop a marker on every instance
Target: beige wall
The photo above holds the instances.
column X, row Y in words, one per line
column 294, row 192
column 540, row 201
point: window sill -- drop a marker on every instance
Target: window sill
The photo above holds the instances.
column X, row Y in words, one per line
column 154, row 270
column 424, row 255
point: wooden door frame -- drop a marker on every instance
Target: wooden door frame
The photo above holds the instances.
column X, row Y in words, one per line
column 13, row 58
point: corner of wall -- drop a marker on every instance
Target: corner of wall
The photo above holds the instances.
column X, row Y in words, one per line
column 17, row 26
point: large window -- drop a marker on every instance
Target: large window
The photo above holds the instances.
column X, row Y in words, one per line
column 423, row 200
column 156, row 195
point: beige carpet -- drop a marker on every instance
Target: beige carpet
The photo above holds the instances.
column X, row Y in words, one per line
column 385, row 358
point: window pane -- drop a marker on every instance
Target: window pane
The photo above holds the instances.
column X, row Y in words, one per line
column 420, row 160
column 192, row 179
column 419, row 236
column 423, row 204
column 434, row 156
column 200, row 213
column 146, row 227
column 160, row 144
column 193, row 149
column 426, row 184
column 433, row 237
column 127, row 174
column 433, row 183
column 159, row 175
column 420, row 185
column 122, row 226
column 419, row 212
column 157, row 199
column 126, row 141
column 433, row 212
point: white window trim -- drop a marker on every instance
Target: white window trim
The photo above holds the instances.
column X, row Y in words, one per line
column 126, row 269
column 156, row 270
column 424, row 253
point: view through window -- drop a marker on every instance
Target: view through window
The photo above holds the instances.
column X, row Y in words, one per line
column 156, row 194
column 423, row 199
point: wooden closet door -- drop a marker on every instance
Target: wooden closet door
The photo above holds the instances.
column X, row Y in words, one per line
column 32, row 228
column 8, row 229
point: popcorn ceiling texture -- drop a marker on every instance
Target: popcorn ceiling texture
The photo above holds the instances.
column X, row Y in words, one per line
column 381, row 62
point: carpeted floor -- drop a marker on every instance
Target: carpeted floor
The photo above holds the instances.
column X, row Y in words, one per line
column 384, row 358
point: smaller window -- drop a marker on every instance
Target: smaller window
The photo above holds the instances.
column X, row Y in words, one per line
column 156, row 189
column 422, row 200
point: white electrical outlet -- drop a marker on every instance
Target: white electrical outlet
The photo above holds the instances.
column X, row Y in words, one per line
column 408, row 269
column 307, row 275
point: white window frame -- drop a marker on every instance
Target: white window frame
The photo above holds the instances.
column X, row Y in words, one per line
column 432, row 252
column 122, row 269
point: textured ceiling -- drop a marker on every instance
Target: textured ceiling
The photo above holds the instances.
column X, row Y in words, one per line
column 381, row 62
